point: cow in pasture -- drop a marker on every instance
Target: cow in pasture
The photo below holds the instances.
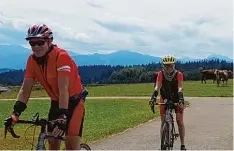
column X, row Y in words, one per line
column 223, row 75
column 230, row 74
column 208, row 74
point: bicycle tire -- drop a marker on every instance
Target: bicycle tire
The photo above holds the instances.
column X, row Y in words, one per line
column 84, row 146
column 166, row 137
column 172, row 135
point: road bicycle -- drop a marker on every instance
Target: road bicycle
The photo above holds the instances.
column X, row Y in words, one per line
column 168, row 135
column 43, row 135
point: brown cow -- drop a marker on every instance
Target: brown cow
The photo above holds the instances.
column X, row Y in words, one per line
column 230, row 73
column 223, row 75
column 208, row 74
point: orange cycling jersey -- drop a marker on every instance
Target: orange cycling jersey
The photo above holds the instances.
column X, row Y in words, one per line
column 58, row 63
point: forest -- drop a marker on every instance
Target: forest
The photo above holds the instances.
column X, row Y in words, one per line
column 106, row 74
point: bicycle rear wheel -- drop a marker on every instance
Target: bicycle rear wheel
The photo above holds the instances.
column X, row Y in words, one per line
column 166, row 137
column 84, row 146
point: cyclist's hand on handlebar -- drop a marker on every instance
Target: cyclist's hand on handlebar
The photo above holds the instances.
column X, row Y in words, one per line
column 11, row 120
column 181, row 104
column 152, row 101
column 60, row 126
column 19, row 107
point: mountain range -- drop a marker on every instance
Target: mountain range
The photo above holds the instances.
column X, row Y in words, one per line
column 15, row 57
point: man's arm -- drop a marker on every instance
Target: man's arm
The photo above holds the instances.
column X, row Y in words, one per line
column 23, row 96
column 63, row 85
column 158, row 82
column 180, row 82
column 180, row 86
column 25, row 90
column 64, row 65
column 157, row 86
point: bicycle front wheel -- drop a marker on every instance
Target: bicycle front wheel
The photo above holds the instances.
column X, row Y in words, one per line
column 84, row 146
column 166, row 137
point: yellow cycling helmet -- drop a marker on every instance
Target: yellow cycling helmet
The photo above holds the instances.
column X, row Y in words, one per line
column 168, row 60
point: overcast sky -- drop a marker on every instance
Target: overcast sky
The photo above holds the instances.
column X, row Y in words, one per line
column 184, row 28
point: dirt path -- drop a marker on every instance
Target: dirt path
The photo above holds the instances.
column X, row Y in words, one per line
column 208, row 123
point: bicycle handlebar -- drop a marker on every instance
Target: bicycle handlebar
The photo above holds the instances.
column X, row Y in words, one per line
column 163, row 103
column 42, row 122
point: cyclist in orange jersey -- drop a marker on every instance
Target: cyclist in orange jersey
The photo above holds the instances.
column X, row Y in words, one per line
column 55, row 70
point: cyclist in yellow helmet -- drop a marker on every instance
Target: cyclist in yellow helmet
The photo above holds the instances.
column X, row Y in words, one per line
column 170, row 83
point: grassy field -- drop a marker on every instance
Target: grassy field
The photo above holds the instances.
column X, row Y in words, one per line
column 191, row 88
column 103, row 118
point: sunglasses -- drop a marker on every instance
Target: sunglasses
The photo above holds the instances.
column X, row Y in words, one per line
column 39, row 43
column 168, row 66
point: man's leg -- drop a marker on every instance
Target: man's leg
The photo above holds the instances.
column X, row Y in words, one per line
column 54, row 144
column 181, row 127
column 162, row 119
column 72, row 143
column 162, row 114
column 75, row 127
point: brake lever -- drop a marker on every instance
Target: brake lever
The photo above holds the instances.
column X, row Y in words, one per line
column 152, row 107
column 5, row 132
column 11, row 130
column 36, row 117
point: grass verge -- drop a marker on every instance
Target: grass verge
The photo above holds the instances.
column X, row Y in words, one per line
column 103, row 118
column 191, row 89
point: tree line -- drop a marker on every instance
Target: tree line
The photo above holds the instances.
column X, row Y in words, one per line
column 106, row 74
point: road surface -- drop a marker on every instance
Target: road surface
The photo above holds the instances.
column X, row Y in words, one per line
column 208, row 123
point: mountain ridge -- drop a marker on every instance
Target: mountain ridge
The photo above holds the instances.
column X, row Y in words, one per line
column 15, row 57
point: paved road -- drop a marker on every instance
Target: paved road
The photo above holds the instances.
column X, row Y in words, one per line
column 119, row 97
column 209, row 126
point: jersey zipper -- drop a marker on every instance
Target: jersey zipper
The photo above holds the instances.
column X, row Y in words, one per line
column 43, row 69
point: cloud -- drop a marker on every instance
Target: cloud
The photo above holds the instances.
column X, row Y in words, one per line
column 93, row 4
column 11, row 36
column 203, row 21
column 184, row 28
column 120, row 27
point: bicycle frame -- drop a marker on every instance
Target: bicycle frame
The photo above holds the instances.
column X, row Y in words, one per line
column 169, row 119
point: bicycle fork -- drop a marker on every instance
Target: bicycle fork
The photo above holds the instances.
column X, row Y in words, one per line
column 172, row 130
column 41, row 140
column 174, row 134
